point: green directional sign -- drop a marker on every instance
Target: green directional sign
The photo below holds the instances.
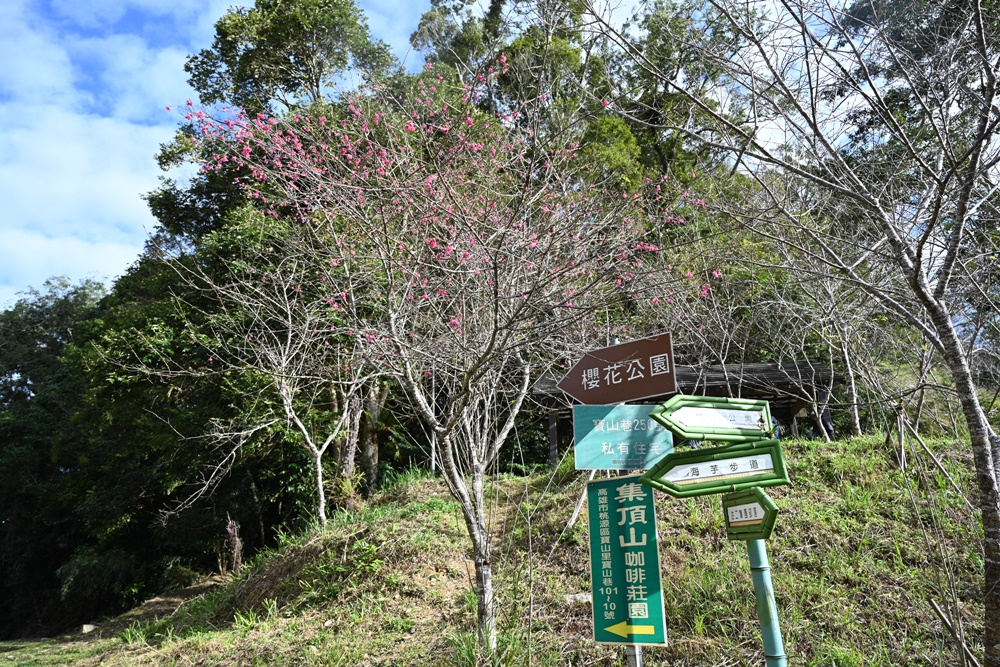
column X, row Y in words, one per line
column 625, row 563
column 715, row 418
column 749, row 515
column 727, row 469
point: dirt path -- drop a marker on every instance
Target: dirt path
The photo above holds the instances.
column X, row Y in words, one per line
column 156, row 608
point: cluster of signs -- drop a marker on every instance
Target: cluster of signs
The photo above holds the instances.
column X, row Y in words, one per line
column 628, row 597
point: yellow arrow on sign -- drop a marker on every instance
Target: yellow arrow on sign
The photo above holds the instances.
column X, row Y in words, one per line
column 623, row 629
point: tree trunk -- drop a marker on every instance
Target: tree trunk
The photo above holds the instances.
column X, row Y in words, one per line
column 485, row 607
column 351, row 431
column 817, row 419
column 986, row 454
column 234, row 543
column 258, row 510
column 368, row 450
column 475, row 522
column 368, row 436
column 985, row 446
column 320, row 491
column 852, row 388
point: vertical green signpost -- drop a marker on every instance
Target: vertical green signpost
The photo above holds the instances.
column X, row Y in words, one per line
column 625, row 563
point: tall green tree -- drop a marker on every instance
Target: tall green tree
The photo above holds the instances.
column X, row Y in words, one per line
column 277, row 55
column 680, row 41
column 290, row 53
column 286, row 51
column 39, row 396
column 457, row 35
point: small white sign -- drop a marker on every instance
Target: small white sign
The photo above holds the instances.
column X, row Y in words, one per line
column 742, row 466
column 745, row 515
column 692, row 416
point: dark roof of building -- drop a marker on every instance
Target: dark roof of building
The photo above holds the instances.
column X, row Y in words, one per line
column 784, row 384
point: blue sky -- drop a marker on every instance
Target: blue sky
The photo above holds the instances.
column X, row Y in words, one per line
column 84, row 86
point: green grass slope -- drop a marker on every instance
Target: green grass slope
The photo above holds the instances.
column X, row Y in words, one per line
column 862, row 547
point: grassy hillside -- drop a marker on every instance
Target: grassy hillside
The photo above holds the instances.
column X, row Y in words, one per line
column 860, row 550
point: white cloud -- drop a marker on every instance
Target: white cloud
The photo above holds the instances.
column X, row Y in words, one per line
column 82, row 97
column 28, row 259
column 64, row 173
column 131, row 80
column 83, row 117
column 95, row 14
column 35, row 67
column 393, row 22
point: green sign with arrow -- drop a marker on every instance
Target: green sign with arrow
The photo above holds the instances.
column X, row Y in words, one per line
column 735, row 467
column 625, row 563
column 750, row 515
column 715, row 418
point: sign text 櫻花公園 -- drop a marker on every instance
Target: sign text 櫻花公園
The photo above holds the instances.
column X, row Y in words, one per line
column 626, row 372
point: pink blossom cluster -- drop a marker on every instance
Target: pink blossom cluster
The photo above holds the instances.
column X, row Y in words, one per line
column 463, row 221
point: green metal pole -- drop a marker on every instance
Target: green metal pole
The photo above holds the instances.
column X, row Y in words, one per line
column 767, row 609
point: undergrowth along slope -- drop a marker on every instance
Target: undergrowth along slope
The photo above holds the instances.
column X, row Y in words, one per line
column 863, row 543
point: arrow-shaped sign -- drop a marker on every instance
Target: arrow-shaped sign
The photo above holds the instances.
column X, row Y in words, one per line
column 728, row 469
column 714, row 418
column 627, row 372
column 750, row 515
column 624, row 629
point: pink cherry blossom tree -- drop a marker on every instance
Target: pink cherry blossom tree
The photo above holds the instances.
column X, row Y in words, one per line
column 477, row 250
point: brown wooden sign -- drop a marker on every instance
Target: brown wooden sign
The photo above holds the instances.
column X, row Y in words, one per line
column 626, row 372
